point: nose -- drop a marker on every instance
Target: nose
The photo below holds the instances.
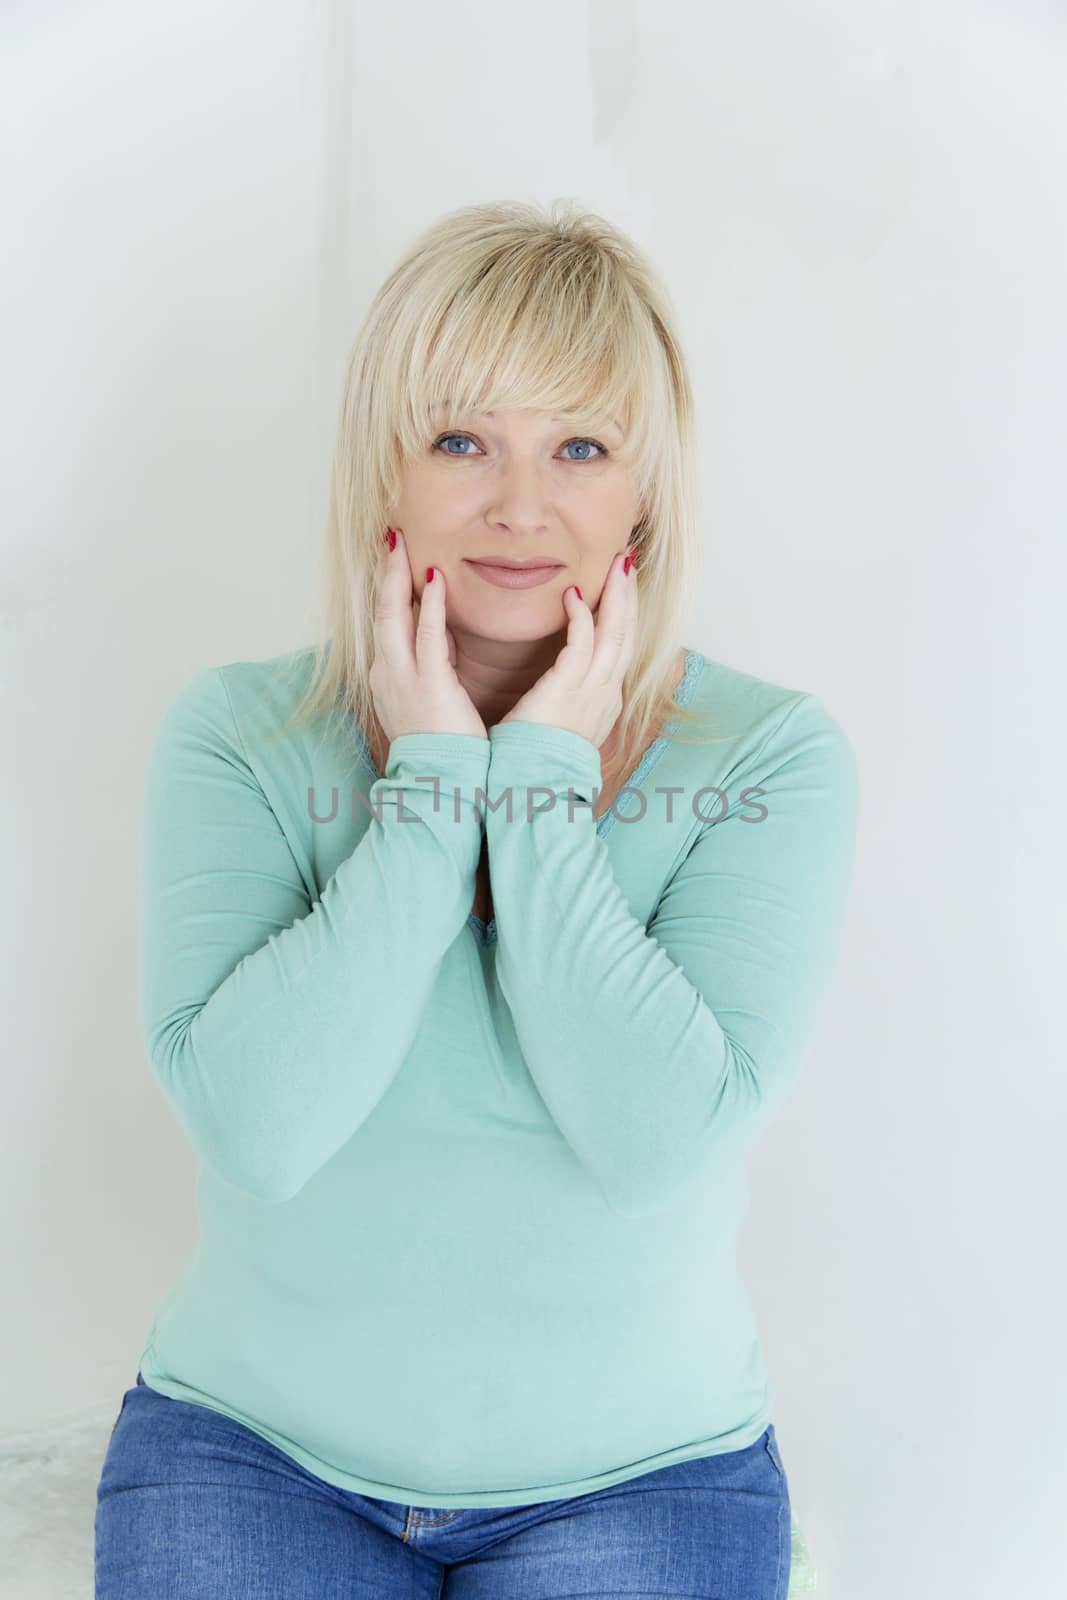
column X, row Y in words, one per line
column 518, row 497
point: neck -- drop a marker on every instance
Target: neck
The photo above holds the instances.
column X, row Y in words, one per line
column 497, row 673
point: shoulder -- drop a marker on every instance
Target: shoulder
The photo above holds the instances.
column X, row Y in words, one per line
column 244, row 714
column 740, row 706
column 252, row 697
column 751, row 725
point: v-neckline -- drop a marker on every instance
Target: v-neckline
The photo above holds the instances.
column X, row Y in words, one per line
column 486, row 932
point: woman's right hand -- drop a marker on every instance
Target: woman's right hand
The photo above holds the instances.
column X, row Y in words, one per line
column 413, row 678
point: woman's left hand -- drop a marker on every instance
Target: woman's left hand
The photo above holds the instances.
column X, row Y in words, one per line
column 582, row 690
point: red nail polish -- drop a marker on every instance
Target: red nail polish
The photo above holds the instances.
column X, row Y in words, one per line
column 628, row 563
column 429, row 574
column 577, row 591
column 390, row 538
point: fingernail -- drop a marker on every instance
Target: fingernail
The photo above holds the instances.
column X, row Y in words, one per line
column 577, row 591
column 429, row 574
column 390, row 538
column 629, row 562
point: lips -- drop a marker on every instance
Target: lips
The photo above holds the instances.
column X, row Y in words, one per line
column 533, row 563
column 512, row 577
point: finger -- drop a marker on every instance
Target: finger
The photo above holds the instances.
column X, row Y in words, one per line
column 612, row 625
column 394, row 621
column 633, row 598
column 572, row 663
column 451, row 647
column 431, row 646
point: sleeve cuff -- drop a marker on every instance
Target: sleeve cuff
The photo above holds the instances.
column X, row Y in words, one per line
column 453, row 755
column 531, row 753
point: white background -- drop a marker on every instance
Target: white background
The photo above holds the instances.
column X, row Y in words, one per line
column 859, row 210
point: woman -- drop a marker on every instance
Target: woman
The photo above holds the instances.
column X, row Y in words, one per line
column 469, row 1064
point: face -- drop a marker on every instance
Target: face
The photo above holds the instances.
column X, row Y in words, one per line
column 517, row 484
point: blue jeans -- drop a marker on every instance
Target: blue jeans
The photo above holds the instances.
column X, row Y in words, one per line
column 191, row 1503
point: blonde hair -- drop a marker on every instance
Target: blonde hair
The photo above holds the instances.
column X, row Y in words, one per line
column 499, row 306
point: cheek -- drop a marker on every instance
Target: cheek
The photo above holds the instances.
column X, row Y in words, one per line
column 441, row 499
column 608, row 511
column 601, row 535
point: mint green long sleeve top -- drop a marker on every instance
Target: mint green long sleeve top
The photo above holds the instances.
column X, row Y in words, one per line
column 468, row 1193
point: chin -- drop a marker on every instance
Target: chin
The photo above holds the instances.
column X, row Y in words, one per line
column 537, row 623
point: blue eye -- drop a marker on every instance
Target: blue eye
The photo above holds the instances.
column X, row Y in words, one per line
column 591, row 442
column 594, row 443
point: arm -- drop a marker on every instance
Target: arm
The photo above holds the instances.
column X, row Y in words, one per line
column 658, row 1051
column 275, row 1024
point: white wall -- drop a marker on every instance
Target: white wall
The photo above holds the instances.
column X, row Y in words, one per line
column 858, row 208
